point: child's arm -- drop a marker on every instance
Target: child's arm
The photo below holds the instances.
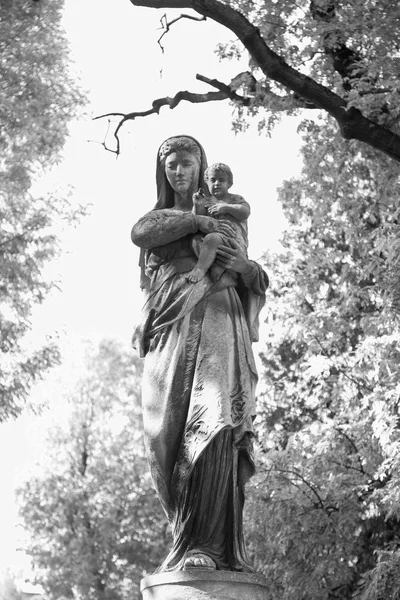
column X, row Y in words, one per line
column 240, row 209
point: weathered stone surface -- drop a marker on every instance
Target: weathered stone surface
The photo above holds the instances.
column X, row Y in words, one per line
column 199, row 584
column 200, row 375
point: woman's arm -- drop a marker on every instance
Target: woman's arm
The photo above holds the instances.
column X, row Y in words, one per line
column 255, row 281
column 255, row 278
column 159, row 227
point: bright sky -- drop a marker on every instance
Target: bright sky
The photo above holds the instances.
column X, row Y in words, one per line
column 117, row 55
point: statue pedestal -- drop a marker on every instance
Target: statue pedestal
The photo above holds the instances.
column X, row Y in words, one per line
column 203, row 584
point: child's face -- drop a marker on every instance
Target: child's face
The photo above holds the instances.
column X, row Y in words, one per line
column 218, row 184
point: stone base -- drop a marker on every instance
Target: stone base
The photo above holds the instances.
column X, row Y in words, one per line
column 203, row 584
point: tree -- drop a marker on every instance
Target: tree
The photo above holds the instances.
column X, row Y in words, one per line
column 8, row 587
column 94, row 521
column 323, row 516
column 341, row 57
column 38, row 98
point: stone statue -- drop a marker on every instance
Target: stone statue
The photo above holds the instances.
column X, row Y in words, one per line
column 221, row 205
column 199, row 377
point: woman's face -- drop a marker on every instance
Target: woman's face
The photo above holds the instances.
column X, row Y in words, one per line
column 182, row 171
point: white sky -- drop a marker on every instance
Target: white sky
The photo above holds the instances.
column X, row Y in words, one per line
column 116, row 52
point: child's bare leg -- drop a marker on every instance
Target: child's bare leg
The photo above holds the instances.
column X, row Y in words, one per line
column 208, row 253
column 216, row 272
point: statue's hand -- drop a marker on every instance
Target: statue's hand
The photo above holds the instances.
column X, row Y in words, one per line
column 226, row 228
column 199, row 197
column 233, row 258
column 216, row 209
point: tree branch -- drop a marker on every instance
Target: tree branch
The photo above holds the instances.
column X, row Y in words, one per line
column 225, row 92
column 319, row 503
column 352, row 123
column 361, row 385
column 155, row 109
column 345, row 61
column 226, row 89
column 262, row 93
column 166, row 25
column 348, row 63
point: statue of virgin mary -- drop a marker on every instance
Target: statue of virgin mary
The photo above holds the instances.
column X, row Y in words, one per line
column 198, row 389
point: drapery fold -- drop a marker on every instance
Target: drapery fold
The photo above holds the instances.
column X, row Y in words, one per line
column 198, row 402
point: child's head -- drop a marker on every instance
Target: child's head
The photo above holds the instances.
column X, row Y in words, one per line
column 219, row 179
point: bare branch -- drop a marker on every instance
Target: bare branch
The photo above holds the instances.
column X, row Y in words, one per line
column 195, row 98
column 226, row 89
column 257, row 91
column 166, row 25
column 356, row 451
column 347, row 466
column 375, row 91
column 104, row 142
column 225, row 92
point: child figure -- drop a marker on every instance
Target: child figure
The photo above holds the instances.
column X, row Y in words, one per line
column 221, row 205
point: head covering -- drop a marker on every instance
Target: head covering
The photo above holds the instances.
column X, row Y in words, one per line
column 165, row 193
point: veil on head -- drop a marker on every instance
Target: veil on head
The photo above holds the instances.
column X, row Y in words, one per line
column 165, row 193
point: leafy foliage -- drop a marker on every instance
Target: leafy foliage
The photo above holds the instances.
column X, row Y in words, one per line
column 323, row 512
column 38, row 97
column 350, row 47
column 8, row 587
column 95, row 523
column 340, row 57
column 325, row 509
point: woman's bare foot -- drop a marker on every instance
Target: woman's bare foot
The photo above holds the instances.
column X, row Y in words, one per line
column 196, row 275
column 198, row 560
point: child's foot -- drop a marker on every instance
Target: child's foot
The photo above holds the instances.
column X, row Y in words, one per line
column 196, row 275
column 216, row 272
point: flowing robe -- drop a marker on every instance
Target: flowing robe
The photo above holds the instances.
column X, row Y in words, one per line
column 198, row 389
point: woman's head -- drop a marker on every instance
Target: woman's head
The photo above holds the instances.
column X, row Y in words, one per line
column 181, row 143
column 180, row 166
